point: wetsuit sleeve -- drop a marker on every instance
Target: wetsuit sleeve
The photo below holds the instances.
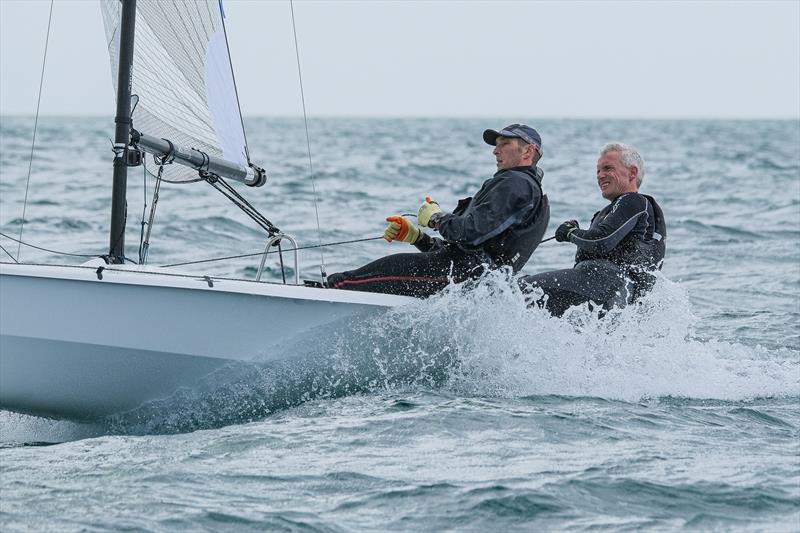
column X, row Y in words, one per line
column 606, row 235
column 426, row 243
column 508, row 202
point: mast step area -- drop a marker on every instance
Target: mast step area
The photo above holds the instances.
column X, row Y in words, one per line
column 253, row 175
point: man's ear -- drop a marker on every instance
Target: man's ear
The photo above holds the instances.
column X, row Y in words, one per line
column 535, row 157
column 530, row 149
column 633, row 173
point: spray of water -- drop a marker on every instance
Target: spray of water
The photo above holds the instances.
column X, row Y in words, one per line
column 646, row 350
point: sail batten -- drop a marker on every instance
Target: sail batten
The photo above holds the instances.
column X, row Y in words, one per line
column 183, row 77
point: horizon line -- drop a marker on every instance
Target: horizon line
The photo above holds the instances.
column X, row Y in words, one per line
column 433, row 117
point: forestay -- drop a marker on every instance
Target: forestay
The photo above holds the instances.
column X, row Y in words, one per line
column 183, row 77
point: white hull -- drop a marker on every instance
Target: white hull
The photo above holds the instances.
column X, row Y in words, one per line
column 76, row 346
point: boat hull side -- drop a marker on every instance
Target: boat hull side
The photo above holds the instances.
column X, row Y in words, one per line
column 80, row 345
column 84, row 381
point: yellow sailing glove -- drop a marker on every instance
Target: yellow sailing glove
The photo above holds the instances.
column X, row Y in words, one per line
column 427, row 211
column 400, row 229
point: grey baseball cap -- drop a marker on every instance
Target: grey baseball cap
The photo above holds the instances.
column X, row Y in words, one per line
column 520, row 131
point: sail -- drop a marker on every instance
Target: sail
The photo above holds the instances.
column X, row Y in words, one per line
column 183, row 77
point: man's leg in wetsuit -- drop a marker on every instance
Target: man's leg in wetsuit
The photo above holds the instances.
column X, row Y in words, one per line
column 419, row 274
column 598, row 281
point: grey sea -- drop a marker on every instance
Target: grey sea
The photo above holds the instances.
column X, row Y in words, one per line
column 464, row 412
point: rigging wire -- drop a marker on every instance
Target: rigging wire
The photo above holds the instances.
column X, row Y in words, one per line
column 144, row 207
column 240, row 256
column 241, row 202
column 144, row 243
column 8, row 254
column 365, row 239
column 254, row 254
column 48, row 250
column 35, row 125
column 308, row 145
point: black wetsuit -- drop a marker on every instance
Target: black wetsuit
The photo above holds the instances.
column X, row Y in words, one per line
column 625, row 241
column 501, row 225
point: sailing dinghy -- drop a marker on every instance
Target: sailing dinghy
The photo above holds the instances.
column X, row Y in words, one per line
column 82, row 342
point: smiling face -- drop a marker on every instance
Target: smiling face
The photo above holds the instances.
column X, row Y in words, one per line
column 510, row 152
column 613, row 177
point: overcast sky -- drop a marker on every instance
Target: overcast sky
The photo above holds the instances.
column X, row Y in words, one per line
column 660, row 59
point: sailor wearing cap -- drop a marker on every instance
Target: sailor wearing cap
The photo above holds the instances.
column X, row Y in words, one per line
column 501, row 225
column 518, row 131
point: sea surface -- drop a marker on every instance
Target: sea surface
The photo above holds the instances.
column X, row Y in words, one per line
column 464, row 412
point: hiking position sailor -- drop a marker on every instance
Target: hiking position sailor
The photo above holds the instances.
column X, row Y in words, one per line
column 625, row 241
column 501, row 225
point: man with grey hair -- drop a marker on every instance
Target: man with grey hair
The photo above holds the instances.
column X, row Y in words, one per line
column 625, row 241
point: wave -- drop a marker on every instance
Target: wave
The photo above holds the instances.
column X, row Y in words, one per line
column 728, row 231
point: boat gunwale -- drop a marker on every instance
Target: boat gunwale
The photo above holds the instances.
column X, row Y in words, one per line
column 138, row 275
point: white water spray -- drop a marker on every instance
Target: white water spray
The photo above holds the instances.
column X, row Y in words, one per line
column 647, row 350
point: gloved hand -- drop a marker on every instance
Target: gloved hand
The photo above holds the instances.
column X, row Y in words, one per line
column 427, row 211
column 565, row 230
column 400, row 229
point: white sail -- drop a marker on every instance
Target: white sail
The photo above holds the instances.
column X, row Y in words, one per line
column 183, row 77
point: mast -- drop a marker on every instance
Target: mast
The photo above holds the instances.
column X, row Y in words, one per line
column 116, row 251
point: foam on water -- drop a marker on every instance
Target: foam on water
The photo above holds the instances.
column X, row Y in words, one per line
column 17, row 428
column 647, row 350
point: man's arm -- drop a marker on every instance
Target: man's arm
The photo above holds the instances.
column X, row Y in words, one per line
column 615, row 226
column 508, row 202
column 426, row 243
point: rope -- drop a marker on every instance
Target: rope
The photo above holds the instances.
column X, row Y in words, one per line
column 35, row 125
column 287, row 250
column 262, row 253
column 46, row 249
column 352, row 241
column 308, row 145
